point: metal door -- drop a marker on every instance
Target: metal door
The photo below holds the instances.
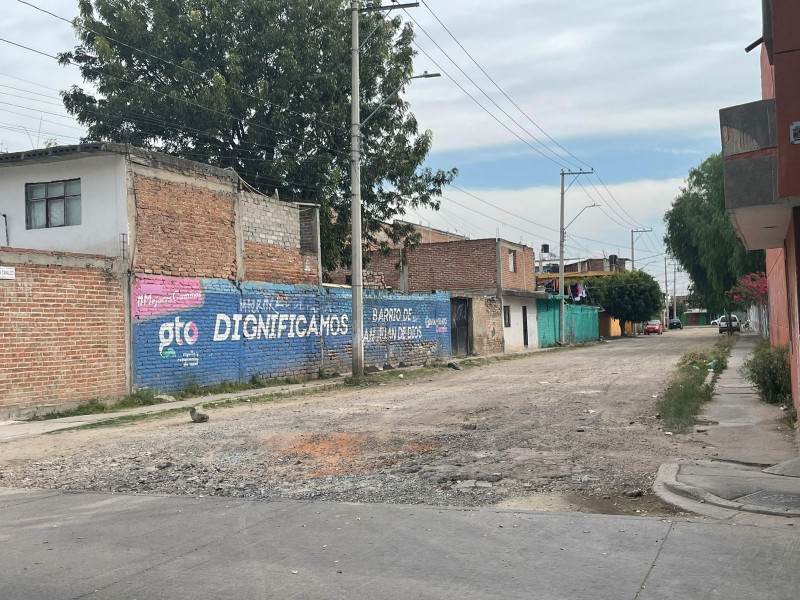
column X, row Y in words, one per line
column 459, row 326
column 525, row 325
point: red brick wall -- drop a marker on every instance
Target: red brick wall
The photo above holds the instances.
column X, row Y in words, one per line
column 62, row 337
column 434, row 236
column 463, row 265
column 184, row 230
column 274, row 264
column 524, row 277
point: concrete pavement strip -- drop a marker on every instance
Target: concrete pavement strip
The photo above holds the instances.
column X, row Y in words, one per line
column 12, row 430
column 757, row 466
column 89, row 545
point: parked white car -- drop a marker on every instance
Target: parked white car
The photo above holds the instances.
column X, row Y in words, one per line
column 715, row 322
column 735, row 325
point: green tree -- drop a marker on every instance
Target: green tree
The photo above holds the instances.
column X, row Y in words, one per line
column 630, row 296
column 700, row 235
column 263, row 87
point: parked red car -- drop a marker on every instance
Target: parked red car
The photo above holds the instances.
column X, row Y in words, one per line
column 653, row 327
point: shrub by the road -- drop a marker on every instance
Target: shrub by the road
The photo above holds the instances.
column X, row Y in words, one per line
column 768, row 370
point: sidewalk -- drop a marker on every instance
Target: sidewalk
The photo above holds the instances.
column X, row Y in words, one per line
column 84, row 545
column 755, row 469
column 14, row 430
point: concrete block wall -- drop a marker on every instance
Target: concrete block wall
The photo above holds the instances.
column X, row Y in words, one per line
column 267, row 220
column 273, row 241
column 62, row 331
column 192, row 331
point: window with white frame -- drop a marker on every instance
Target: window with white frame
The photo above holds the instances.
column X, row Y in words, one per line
column 512, row 261
column 53, row 204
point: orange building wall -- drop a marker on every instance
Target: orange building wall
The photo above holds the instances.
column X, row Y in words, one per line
column 778, row 303
column 792, row 264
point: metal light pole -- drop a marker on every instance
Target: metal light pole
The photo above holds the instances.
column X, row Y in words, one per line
column 357, row 276
column 561, row 332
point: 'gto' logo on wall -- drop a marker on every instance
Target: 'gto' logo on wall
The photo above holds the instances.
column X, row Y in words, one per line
column 179, row 332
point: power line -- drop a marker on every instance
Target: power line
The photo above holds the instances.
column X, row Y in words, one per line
column 502, row 91
column 481, row 90
column 516, row 105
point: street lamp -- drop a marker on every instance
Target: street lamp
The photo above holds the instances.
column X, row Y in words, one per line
column 425, row 75
column 357, row 276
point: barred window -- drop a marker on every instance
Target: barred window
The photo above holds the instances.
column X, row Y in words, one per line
column 507, row 316
column 53, row 204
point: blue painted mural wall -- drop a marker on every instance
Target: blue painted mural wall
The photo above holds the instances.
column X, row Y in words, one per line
column 189, row 331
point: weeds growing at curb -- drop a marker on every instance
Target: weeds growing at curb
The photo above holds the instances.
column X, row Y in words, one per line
column 145, row 397
column 688, row 391
column 174, row 412
column 93, row 407
column 768, row 369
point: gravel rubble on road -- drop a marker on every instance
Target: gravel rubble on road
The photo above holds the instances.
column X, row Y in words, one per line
column 578, row 422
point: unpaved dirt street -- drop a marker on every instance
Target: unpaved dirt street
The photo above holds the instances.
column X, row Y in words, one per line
column 564, row 430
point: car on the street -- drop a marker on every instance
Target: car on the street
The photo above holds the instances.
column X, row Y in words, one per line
column 675, row 324
column 735, row 325
column 715, row 322
column 653, row 327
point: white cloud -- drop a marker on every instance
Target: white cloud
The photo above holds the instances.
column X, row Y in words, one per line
column 588, row 68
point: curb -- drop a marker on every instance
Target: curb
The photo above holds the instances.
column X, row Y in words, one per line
column 52, row 425
column 667, row 481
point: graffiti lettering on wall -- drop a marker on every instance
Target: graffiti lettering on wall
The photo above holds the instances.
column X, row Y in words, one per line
column 277, row 326
column 440, row 323
column 407, row 327
column 156, row 296
column 206, row 331
column 176, row 331
column 392, row 334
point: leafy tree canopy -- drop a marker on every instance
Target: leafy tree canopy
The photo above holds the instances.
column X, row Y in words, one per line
column 630, row 296
column 262, row 86
column 700, row 236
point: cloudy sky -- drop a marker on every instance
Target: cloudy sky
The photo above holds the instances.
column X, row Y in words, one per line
column 627, row 87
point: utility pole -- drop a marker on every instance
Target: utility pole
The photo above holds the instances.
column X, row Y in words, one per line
column 633, row 255
column 561, row 331
column 666, row 288
column 357, row 275
column 674, row 291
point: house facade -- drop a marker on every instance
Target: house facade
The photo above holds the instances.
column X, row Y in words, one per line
column 761, row 151
column 123, row 268
column 496, row 305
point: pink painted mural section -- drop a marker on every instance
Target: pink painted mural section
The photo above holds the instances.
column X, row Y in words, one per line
column 154, row 296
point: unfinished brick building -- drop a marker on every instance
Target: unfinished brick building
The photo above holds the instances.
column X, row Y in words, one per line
column 124, row 268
